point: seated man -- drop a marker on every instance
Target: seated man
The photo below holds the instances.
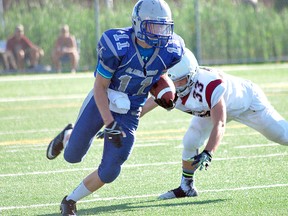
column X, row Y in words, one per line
column 65, row 47
column 9, row 60
column 21, row 47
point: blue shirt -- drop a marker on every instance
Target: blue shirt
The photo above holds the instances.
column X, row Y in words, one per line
column 120, row 60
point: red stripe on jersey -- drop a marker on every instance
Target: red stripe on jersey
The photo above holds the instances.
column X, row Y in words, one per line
column 184, row 99
column 209, row 90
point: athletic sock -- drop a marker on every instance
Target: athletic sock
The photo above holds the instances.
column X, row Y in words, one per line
column 187, row 173
column 80, row 192
column 67, row 135
column 187, row 181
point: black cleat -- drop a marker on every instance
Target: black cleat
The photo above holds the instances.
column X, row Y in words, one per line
column 56, row 145
column 68, row 208
column 178, row 193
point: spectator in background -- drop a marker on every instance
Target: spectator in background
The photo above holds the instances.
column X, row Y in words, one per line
column 22, row 48
column 7, row 57
column 65, row 47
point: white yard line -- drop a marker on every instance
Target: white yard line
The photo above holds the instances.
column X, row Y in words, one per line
column 145, row 196
column 27, row 131
column 257, row 145
column 143, row 142
column 277, row 88
column 259, row 68
column 42, row 98
column 174, row 121
column 136, row 165
column 90, row 74
column 41, row 77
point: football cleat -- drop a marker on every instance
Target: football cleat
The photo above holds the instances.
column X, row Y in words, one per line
column 56, row 145
column 68, row 208
column 178, row 193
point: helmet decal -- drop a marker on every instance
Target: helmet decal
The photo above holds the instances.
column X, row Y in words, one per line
column 138, row 7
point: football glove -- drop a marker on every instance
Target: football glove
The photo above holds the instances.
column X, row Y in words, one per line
column 164, row 104
column 112, row 132
column 202, row 160
column 100, row 134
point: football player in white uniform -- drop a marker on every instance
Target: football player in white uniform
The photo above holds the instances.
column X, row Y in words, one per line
column 215, row 98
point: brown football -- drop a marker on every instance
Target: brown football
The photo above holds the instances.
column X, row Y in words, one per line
column 164, row 89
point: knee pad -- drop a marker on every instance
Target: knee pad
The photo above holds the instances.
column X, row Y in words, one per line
column 277, row 132
column 108, row 173
column 70, row 158
column 72, row 155
column 282, row 137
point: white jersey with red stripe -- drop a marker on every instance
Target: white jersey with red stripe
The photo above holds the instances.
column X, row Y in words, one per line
column 210, row 85
column 245, row 103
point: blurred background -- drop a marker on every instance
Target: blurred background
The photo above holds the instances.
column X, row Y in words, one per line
column 217, row 31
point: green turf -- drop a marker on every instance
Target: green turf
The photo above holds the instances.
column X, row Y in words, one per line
column 248, row 175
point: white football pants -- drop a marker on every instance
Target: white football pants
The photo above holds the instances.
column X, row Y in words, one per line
column 267, row 121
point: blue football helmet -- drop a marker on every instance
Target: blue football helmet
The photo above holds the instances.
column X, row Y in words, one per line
column 152, row 22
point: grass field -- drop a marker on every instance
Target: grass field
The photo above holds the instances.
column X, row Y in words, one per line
column 248, row 174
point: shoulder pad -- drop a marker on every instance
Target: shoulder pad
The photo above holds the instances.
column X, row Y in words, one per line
column 117, row 39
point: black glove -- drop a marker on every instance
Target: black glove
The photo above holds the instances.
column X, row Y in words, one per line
column 164, row 104
column 112, row 132
column 202, row 160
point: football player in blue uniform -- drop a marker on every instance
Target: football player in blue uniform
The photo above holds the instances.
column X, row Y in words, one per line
column 130, row 61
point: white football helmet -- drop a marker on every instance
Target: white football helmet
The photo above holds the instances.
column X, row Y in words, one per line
column 152, row 22
column 187, row 68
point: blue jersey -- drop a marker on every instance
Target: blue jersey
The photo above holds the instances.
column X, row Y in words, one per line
column 119, row 60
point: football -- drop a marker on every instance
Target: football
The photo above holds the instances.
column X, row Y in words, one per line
column 164, row 89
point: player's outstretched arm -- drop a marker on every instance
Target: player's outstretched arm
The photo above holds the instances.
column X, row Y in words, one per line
column 148, row 106
column 218, row 117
